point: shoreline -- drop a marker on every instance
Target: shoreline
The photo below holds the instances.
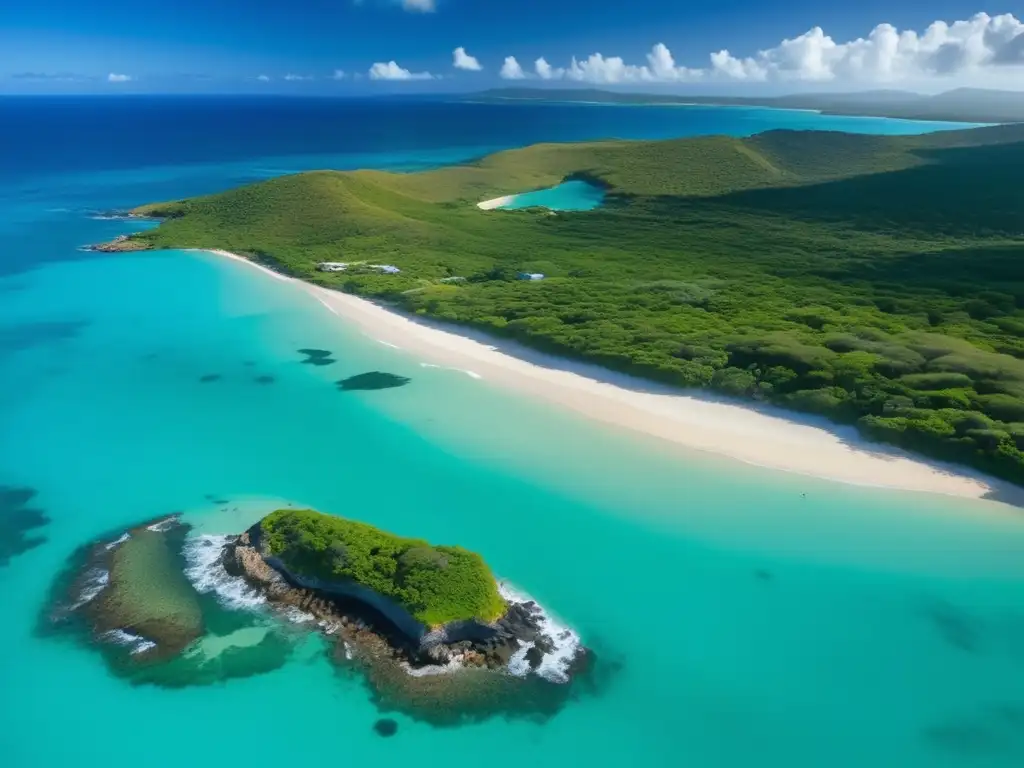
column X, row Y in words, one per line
column 497, row 202
column 763, row 436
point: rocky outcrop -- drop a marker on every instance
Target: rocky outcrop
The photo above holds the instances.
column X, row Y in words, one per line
column 121, row 244
column 355, row 608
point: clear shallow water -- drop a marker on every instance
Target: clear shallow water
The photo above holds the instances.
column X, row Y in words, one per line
column 572, row 195
column 851, row 628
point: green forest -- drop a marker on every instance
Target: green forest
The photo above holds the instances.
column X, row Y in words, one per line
column 875, row 280
column 435, row 584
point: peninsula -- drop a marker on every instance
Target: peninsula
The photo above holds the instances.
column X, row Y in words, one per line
column 873, row 280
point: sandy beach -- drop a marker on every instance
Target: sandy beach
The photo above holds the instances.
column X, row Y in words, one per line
column 497, row 202
column 763, row 436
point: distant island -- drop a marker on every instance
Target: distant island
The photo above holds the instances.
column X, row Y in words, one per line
column 874, row 280
column 969, row 105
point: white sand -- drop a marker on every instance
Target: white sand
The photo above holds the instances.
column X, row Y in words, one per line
column 767, row 437
column 490, row 205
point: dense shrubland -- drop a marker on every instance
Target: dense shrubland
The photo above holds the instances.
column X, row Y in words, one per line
column 435, row 584
column 874, row 280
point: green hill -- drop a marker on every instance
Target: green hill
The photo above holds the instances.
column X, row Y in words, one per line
column 436, row 585
column 876, row 280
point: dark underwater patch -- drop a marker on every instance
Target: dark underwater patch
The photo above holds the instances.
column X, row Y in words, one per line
column 16, row 338
column 19, row 522
column 264, row 379
column 317, row 357
column 996, row 731
column 385, row 727
column 471, row 695
column 372, row 380
column 127, row 597
column 955, row 627
column 210, row 377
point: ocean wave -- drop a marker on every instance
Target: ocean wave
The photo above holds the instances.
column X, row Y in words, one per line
column 471, row 374
column 95, row 581
column 118, row 542
column 554, row 666
column 162, row 525
column 206, row 572
column 430, row 670
column 136, row 643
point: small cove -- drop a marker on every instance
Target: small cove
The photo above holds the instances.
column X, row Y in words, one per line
column 574, row 195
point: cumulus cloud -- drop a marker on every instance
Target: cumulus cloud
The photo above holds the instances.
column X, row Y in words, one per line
column 462, row 60
column 339, row 74
column 511, row 70
column 298, row 78
column 420, row 6
column 391, row 71
column 113, row 77
column 263, row 78
column 969, row 50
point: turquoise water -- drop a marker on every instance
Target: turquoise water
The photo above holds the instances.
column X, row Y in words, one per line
column 753, row 626
column 572, row 195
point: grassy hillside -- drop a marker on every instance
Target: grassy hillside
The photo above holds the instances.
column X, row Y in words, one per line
column 435, row 584
column 876, row 280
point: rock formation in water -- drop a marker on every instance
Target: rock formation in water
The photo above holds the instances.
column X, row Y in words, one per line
column 372, row 380
column 459, row 666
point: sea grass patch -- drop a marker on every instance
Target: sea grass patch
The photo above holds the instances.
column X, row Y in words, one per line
column 372, row 380
column 319, row 357
column 20, row 522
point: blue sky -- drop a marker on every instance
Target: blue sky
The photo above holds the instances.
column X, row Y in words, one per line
column 360, row 46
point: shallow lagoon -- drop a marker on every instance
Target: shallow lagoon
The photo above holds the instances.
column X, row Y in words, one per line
column 574, row 195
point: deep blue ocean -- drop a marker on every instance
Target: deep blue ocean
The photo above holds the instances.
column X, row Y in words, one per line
column 740, row 616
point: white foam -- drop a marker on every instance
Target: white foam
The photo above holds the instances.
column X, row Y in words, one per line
column 118, row 542
column 206, row 572
column 136, row 643
column 96, row 581
column 387, row 344
column 143, row 646
column 471, row 374
column 554, row 666
column 162, row 525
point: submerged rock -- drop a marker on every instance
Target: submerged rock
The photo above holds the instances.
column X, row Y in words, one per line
column 17, row 521
column 386, row 727
column 373, row 380
column 317, row 357
column 442, row 675
column 129, row 597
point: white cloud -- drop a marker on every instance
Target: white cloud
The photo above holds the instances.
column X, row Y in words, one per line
column 391, row 71
column 462, row 60
column 420, row 6
column 977, row 50
column 973, row 48
column 113, row 77
column 511, row 70
column 339, row 74
column 545, row 71
column 298, row 78
column 263, row 78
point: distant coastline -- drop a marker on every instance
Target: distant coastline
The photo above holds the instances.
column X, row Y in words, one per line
column 972, row 106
